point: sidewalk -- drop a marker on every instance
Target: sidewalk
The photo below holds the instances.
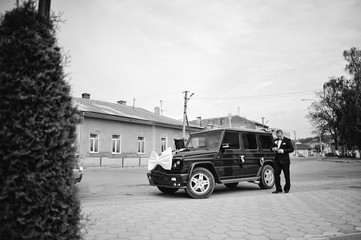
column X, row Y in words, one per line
column 339, row 160
column 304, row 215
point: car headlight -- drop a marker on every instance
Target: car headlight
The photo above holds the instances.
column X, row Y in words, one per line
column 177, row 163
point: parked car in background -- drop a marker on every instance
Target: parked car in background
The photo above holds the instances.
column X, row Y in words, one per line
column 77, row 171
column 223, row 156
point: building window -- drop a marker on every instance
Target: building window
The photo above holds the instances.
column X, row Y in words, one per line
column 141, row 145
column 116, row 144
column 163, row 144
column 94, row 143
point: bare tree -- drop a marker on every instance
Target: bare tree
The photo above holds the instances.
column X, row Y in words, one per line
column 326, row 112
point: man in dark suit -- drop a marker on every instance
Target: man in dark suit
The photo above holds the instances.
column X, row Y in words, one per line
column 283, row 147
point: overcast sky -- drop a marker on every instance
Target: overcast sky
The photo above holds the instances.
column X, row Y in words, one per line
column 257, row 57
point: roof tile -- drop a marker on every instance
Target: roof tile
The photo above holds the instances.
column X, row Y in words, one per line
column 115, row 109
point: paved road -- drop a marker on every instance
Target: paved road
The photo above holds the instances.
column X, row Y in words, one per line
column 324, row 202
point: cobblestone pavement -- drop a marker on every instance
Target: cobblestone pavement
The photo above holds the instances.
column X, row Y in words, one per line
column 301, row 215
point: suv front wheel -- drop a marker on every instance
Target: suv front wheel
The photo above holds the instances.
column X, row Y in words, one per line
column 201, row 183
column 267, row 177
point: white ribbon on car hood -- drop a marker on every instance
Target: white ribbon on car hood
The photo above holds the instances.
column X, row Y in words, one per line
column 165, row 159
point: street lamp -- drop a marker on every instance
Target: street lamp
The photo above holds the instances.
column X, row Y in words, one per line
column 320, row 135
column 321, row 151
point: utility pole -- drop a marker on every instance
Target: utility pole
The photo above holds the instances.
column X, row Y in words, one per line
column 320, row 145
column 186, row 99
column 263, row 122
column 161, row 107
column 133, row 103
column 230, row 119
column 294, row 132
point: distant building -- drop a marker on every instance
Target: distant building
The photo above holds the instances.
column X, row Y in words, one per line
column 234, row 121
column 303, row 150
column 117, row 134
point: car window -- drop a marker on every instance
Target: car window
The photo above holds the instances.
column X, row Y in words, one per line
column 249, row 141
column 266, row 141
column 232, row 138
column 208, row 140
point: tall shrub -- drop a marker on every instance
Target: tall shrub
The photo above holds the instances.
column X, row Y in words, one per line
column 37, row 131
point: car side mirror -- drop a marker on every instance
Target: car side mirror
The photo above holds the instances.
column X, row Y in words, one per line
column 225, row 146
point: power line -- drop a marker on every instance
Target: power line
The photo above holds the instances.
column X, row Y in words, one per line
column 264, row 96
column 158, row 95
column 229, row 109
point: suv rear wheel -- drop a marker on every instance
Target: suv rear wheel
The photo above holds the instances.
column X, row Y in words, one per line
column 167, row 190
column 201, row 183
column 267, row 177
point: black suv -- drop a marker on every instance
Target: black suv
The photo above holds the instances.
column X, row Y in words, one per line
column 225, row 156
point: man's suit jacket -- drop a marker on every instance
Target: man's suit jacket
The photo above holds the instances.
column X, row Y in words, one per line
column 286, row 145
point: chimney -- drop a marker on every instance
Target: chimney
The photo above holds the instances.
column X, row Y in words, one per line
column 85, row 95
column 122, row 102
column 199, row 121
column 157, row 110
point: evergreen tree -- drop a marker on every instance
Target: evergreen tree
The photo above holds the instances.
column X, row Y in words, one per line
column 37, row 131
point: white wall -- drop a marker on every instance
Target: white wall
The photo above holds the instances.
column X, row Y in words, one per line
column 129, row 133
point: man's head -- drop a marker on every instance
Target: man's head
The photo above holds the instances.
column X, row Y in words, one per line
column 279, row 133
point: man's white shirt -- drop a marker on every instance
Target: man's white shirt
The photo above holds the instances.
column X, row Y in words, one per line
column 279, row 144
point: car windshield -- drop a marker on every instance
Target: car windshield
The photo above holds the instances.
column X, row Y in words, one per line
column 208, row 140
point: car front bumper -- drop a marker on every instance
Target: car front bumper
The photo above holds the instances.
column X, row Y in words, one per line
column 77, row 175
column 77, row 180
column 171, row 180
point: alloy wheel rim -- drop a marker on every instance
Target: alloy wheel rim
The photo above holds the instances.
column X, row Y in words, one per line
column 268, row 177
column 200, row 183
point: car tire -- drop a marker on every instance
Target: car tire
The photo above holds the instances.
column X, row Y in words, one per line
column 231, row 185
column 267, row 179
column 201, row 183
column 167, row 190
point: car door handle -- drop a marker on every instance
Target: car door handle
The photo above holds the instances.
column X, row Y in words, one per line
column 261, row 161
column 242, row 158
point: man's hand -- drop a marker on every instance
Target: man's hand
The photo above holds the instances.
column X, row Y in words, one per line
column 280, row 151
column 275, row 149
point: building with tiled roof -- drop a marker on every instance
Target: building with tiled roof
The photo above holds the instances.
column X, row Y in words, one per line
column 121, row 112
column 228, row 121
column 111, row 133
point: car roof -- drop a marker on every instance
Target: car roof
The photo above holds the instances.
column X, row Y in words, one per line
column 243, row 130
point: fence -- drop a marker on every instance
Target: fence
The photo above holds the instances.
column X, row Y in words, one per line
column 113, row 162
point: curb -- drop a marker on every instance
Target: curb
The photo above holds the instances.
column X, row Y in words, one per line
column 116, row 167
column 351, row 236
column 338, row 161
